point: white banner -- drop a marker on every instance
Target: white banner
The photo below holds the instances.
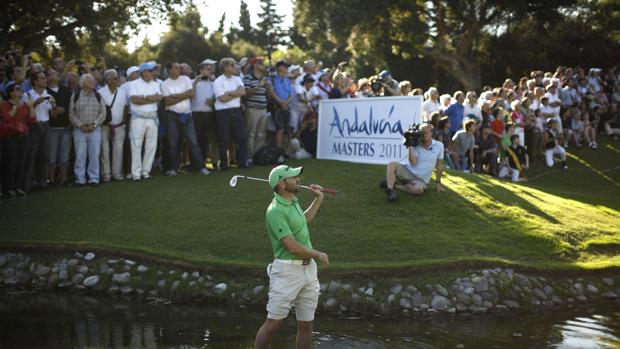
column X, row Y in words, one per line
column 366, row 130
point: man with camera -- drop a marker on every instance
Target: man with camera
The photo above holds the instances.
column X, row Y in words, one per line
column 413, row 175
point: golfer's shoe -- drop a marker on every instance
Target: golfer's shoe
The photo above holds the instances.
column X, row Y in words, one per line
column 383, row 184
column 392, row 195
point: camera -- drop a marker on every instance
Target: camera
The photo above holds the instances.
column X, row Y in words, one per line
column 376, row 85
column 413, row 135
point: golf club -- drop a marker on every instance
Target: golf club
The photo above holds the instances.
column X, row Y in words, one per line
column 233, row 183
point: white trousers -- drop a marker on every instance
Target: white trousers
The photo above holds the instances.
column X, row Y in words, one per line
column 557, row 150
column 141, row 131
column 117, row 153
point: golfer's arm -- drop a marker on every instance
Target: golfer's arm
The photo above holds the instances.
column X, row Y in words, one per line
column 313, row 210
column 298, row 249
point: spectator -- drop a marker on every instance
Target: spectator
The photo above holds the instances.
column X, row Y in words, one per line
column 16, row 116
column 471, row 109
column 486, row 152
column 568, row 94
column 133, row 73
column 390, row 86
column 177, row 91
column 113, row 132
column 228, row 90
column 612, row 124
column 567, row 126
column 44, row 106
column 498, row 125
column 517, row 159
column 444, row 136
column 257, row 88
column 444, row 100
column 308, row 132
column 203, row 112
column 87, row 113
column 518, row 119
column 534, row 138
column 59, row 136
column 414, row 174
column 144, row 94
column 325, row 87
column 185, row 70
column 551, row 140
column 555, row 103
column 283, row 94
column 363, row 88
column 463, row 143
column 405, row 87
column 455, row 112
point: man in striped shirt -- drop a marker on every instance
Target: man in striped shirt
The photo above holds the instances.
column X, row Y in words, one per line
column 256, row 89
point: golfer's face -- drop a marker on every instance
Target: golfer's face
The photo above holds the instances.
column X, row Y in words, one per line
column 291, row 184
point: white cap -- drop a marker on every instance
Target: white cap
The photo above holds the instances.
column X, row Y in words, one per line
column 132, row 70
column 208, row 61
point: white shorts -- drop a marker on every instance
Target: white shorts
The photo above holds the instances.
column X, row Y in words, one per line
column 292, row 285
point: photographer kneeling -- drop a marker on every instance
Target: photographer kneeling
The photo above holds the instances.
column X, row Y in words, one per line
column 424, row 155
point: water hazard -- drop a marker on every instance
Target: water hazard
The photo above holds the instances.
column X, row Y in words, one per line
column 49, row 320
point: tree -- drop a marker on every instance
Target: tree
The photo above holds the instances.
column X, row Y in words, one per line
column 270, row 33
column 244, row 31
column 186, row 40
column 29, row 23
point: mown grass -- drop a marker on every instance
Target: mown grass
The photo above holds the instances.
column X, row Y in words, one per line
column 560, row 220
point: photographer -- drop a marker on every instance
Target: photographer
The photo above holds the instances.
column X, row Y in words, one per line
column 413, row 175
column 390, row 86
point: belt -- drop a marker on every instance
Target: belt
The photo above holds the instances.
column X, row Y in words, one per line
column 294, row 261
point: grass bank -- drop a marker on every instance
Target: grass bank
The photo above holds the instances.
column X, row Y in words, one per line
column 559, row 220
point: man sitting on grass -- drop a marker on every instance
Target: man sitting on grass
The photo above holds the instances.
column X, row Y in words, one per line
column 413, row 175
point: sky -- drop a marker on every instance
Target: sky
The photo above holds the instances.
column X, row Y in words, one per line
column 210, row 15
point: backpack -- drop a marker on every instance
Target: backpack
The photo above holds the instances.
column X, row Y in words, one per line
column 270, row 155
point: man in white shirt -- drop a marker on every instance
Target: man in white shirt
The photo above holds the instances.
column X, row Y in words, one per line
column 177, row 91
column 114, row 130
column 145, row 95
column 431, row 104
column 133, row 73
column 228, row 90
column 556, row 103
column 203, row 112
column 472, row 109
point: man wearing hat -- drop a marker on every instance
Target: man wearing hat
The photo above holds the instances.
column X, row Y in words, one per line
column 145, row 95
column 202, row 110
column 293, row 273
column 256, row 89
column 283, row 93
column 390, row 86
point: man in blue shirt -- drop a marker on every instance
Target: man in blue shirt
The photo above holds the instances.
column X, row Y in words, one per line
column 283, row 93
column 456, row 112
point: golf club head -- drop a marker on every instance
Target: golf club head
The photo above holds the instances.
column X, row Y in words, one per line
column 233, row 181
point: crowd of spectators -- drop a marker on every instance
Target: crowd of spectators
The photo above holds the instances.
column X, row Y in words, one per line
column 74, row 123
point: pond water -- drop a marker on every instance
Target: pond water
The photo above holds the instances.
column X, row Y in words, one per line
column 52, row 320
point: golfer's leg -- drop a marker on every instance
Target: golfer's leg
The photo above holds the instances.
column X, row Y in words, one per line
column 414, row 189
column 390, row 174
column 304, row 334
column 266, row 332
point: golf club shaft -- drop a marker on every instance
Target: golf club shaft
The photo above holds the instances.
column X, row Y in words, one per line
column 325, row 190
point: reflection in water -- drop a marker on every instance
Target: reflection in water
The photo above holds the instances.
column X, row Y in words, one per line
column 69, row 321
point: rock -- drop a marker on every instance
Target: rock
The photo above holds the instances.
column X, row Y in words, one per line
column 3, row 260
column 476, row 300
column 539, row 294
column 348, row 287
column 391, row 299
column 487, row 305
column 195, row 275
column 608, row 281
column 41, row 270
column 185, row 275
column 548, row 290
column 112, row 261
column 11, row 281
column 578, row 286
column 556, row 300
column 440, row 302
column 21, row 265
column 258, row 290
column 140, row 292
column 411, row 289
column 89, row 256
column 592, row 289
column 83, row 269
column 333, row 286
column 323, row 287
column 416, row 299
column 127, row 290
column 469, row 290
column 175, row 285
column 610, row 295
column 355, row 297
column 77, row 279
column 582, row 298
column 53, row 280
column 78, row 255
column 460, row 346
column 463, row 298
column 125, row 268
column 192, row 283
column 142, row 269
column 424, row 307
column 452, row 310
column 129, row 262
column 91, row 281
column 113, row 290
column 535, row 301
column 220, row 288
column 121, row 278
column 404, row 303
column 369, row 292
column 73, row 262
column 396, row 289
column 8, row 272
column 511, row 304
column 172, row 272
column 161, row 283
column 330, row 302
column 441, row 290
column 63, row 275
column 522, row 280
column 103, row 269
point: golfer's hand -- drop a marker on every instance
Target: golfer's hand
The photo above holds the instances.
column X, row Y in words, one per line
column 316, row 191
column 324, row 258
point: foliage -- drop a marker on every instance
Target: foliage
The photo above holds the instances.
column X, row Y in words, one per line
column 185, row 42
column 242, row 48
column 244, row 31
column 270, row 32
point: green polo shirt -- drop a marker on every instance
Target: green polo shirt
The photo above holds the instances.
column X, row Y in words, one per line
column 285, row 218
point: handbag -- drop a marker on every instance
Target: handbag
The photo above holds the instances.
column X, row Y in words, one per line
column 108, row 110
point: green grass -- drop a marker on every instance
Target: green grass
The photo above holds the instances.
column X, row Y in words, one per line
column 560, row 220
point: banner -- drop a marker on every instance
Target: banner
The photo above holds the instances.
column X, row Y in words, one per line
column 366, row 130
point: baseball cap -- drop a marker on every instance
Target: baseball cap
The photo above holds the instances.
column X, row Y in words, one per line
column 256, row 60
column 385, row 73
column 132, row 70
column 146, row 66
column 281, row 172
column 282, row 62
column 306, row 78
column 243, row 61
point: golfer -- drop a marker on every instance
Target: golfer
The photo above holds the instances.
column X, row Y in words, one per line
column 292, row 275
